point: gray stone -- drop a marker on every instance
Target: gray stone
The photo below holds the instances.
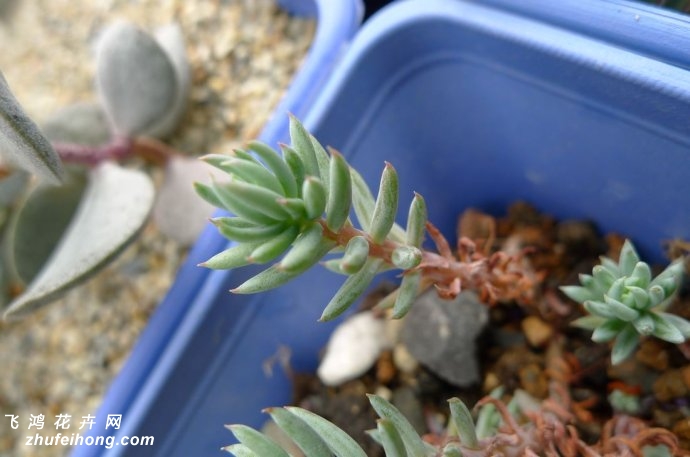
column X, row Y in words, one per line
column 441, row 335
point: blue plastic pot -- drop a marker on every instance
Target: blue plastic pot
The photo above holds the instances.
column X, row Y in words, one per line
column 577, row 108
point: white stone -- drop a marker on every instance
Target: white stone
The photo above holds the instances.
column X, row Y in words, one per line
column 353, row 348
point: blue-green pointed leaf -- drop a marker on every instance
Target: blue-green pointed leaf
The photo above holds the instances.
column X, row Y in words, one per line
column 628, row 258
column 339, row 442
column 407, row 294
column 607, row 330
column 620, row 310
column 464, row 424
column 644, row 325
column 257, row 442
column 413, row 443
column 386, row 206
column 625, row 344
column 578, row 293
column 351, row 290
column 678, row 322
column 588, row 322
column 664, row 329
column 390, row 439
column 642, row 275
column 298, row 431
column 240, row 450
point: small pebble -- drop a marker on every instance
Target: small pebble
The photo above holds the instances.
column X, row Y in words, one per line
column 537, row 332
column 441, row 334
column 385, row 368
column 403, row 359
column 670, row 385
column 653, row 355
column 352, row 349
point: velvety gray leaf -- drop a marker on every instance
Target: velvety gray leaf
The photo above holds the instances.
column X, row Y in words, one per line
column 114, row 208
column 80, row 123
column 22, row 143
column 171, row 40
column 135, row 78
column 39, row 223
column 179, row 212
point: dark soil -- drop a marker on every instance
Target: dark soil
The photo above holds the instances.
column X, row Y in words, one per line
column 514, row 350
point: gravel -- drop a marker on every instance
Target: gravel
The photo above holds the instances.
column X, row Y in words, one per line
column 243, row 55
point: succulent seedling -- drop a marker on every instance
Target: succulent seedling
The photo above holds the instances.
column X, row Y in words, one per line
column 624, row 302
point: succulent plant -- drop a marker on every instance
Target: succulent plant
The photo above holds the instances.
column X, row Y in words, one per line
column 624, row 302
column 297, row 205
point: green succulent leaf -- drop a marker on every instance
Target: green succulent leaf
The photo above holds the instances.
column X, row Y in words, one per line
column 257, row 442
column 339, row 442
column 603, row 276
column 642, row 275
column 253, row 173
column 386, row 206
column 307, row 250
column 406, row 257
column 239, row 450
column 607, row 330
column 233, row 257
column 296, row 166
column 416, row 221
column 407, row 293
column 578, row 293
column 666, row 330
column 277, row 165
column 414, row 445
column 462, row 419
column 625, row 344
column 352, row 289
column 589, row 322
column 363, row 200
column 323, row 160
column 339, row 193
column 356, row 254
column 250, row 202
column 208, row 194
column 294, row 207
column 271, row 249
column 315, row 197
column 268, row 279
column 302, row 144
column 645, row 324
column 620, row 310
column 610, row 265
column 389, row 438
column 302, row 434
column 242, row 230
column 678, row 322
column 628, row 258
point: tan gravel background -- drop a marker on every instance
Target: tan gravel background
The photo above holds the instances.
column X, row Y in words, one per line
column 243, row 55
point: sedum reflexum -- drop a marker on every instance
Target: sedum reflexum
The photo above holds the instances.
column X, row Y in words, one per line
column 292, row 208
column 624, row 303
